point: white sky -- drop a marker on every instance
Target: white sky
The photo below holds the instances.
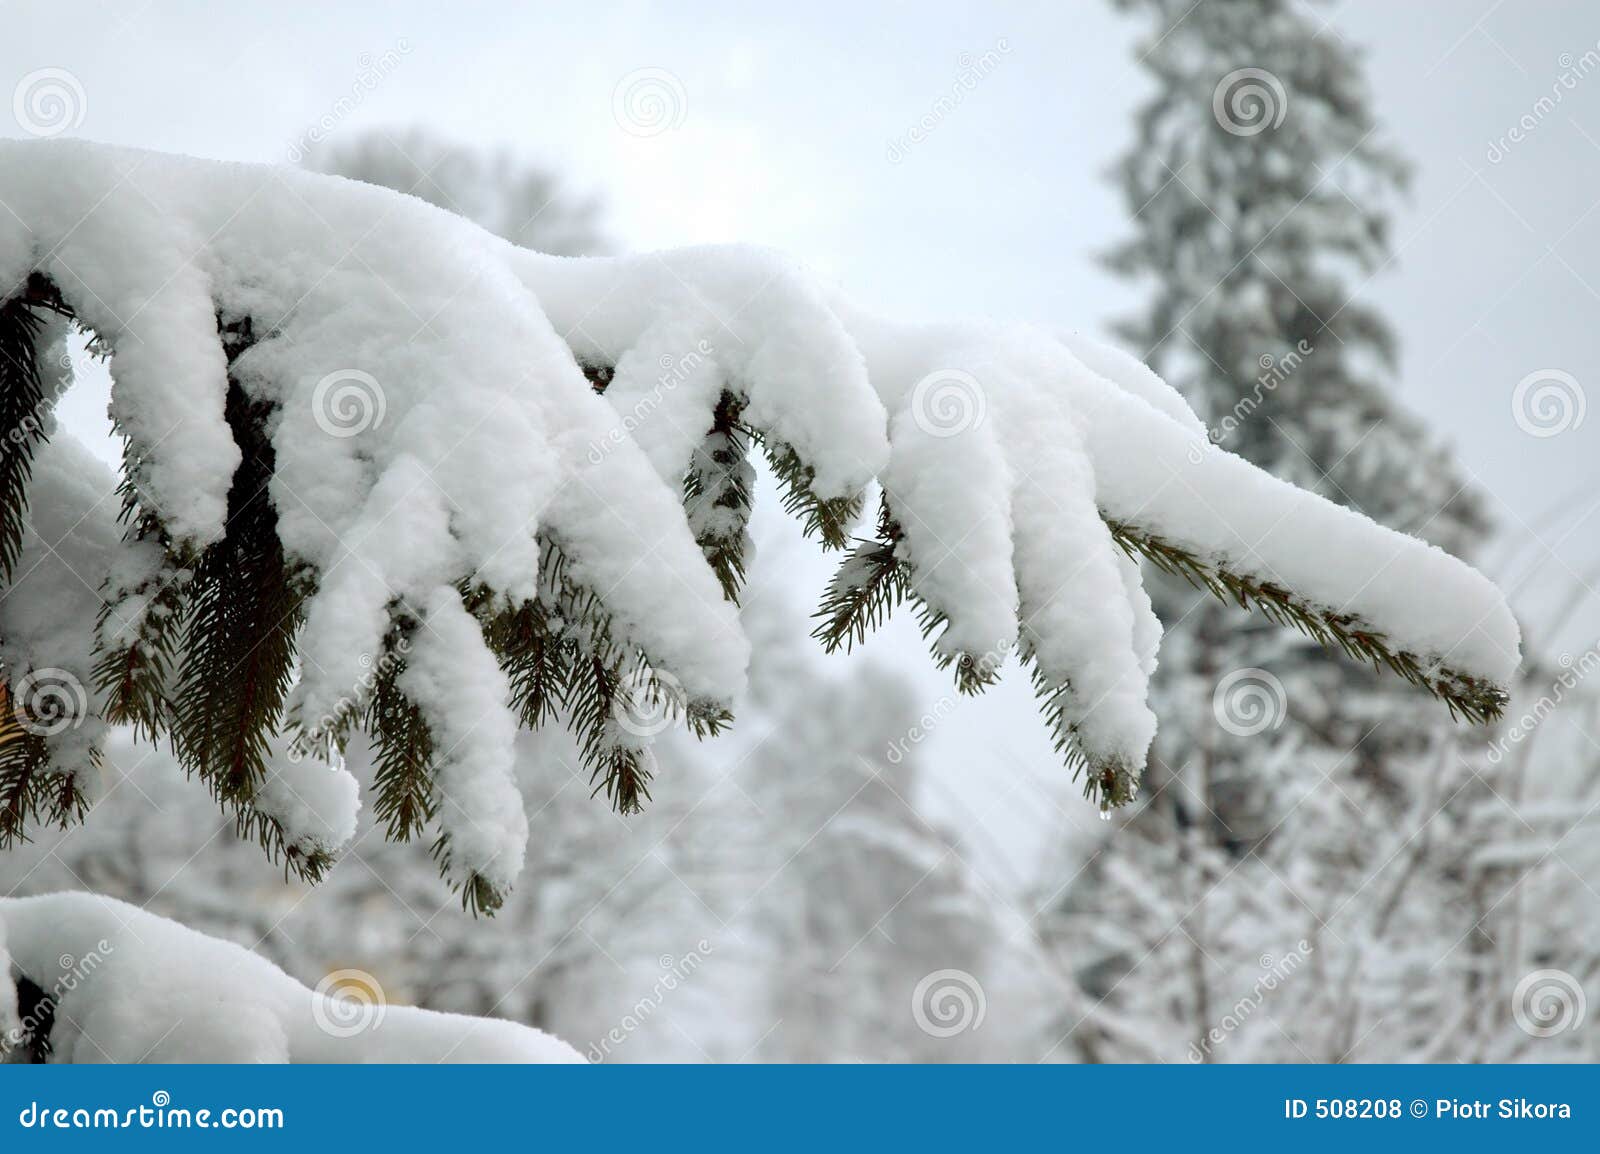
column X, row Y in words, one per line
column 787, row 118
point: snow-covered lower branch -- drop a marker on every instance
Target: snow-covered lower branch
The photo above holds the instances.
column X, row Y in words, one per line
column 112, row 983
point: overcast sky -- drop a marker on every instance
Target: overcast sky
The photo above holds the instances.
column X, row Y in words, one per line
column 790, row 129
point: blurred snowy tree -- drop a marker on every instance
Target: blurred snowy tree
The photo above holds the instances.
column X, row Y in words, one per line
column 526, row 204
column 1297, row 849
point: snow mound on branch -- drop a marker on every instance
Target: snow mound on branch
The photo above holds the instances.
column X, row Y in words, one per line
column 316, row 805
column 766, row 325
column 429, row 413
column 134, row 987
column 10, row 1022
column 70, row 542
column 1152, row 466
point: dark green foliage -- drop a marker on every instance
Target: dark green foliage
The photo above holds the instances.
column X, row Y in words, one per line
column 137, row 661
column 595, row 692
column 23, row 408
column 1470, row 697
column 869, row 585
column 402, row 744
column 827, row 519
column 243, row 608
column 31, row 791
column 865, row 590
column 717, row 494
column 1107, row 784
column 531, row 651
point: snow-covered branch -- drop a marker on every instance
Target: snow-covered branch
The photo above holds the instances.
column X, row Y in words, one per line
column 108, row 982
column 369, row 485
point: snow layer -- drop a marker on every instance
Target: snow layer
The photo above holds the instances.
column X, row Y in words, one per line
column 47, row 614
column 463, row 692
column 134, row 987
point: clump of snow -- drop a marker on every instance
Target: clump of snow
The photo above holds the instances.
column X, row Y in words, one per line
column 10, row 1022
column 47, row 614
column 768, row 327
column 315, row 805
column 146, row 989
column 462, row 691
column 1133, row 376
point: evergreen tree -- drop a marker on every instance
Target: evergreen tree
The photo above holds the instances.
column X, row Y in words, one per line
column 527, row 204
column 1260, row 194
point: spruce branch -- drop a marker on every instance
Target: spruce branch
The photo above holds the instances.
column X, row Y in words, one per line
column 1109, row 783
column 244, row 607
column 1474, row 698
column 826, row 518
column 603, row 675
column 31, row 790
column 137, row 659
column 529, row 646
column 717, row 494
column 402, row 743
column 866, row 589
column 22, row 411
